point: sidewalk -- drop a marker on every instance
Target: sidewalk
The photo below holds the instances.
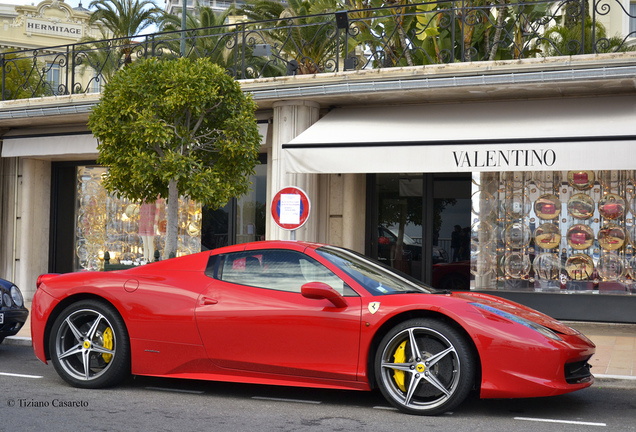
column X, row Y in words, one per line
column 615, row 356
column 615, row 348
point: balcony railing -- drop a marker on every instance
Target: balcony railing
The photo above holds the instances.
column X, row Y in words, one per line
column 406, row 35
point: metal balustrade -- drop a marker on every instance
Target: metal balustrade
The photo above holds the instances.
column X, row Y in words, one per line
column 406, row 35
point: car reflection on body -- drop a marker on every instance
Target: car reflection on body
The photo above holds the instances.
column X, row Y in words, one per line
column 451, row 276
column 302, row 314
column 13, row 314
column 404, row 255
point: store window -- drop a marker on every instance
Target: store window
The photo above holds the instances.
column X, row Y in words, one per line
column 130, row 231
column 86, row 221
column 569, row 232
column 242, row 220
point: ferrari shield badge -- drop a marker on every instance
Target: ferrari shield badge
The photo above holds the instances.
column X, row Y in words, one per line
column 373, row 307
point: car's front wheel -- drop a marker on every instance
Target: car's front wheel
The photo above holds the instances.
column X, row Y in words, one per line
column 425, row 366
column 89, row 345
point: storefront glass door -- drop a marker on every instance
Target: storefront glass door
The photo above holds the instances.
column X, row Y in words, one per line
column 426, row 235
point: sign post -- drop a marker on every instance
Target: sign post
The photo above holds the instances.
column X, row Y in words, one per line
column 290, row 209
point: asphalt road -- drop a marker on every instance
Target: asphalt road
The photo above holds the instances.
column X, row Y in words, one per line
column 34, row 398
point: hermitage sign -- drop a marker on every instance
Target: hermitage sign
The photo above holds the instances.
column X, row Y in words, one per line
column 53, row 28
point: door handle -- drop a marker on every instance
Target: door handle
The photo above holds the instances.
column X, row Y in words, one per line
column 206, row 301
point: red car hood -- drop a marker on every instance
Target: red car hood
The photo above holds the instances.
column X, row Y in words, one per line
column 518, row 310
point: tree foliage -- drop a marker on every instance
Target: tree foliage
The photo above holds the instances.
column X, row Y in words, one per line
column 176, row 128
column 301, row 33
column 23, row 78
column 119, row 19
column 209, row 36
column 125, row 18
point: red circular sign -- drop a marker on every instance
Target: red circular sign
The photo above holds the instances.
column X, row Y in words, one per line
column 290, row 208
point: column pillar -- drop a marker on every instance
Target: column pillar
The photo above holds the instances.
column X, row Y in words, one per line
column 289, row 120
column 33, row 250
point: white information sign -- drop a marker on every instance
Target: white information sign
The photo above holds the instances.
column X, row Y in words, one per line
column 290, row 209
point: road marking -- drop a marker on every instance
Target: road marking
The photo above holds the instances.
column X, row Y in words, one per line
column 561, row 421
column 286, row 400
column 20, row 375
column 385, row 408
column 175, row 390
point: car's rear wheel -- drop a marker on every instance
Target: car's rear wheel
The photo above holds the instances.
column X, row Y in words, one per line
column 424, row 366
column 89, row 345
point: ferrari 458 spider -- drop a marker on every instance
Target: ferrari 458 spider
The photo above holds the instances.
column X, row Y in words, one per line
column 302, row 314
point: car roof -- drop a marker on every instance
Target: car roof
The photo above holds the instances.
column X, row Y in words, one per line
column 268, row 244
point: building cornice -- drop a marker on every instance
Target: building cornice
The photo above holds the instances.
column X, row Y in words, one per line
column 530, row 78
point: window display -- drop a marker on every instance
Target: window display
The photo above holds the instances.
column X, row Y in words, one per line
column 129, row 231
column 554, row 231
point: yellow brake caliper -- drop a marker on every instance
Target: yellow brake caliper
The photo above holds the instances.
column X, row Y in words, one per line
column 399, row 357
column 108, row 344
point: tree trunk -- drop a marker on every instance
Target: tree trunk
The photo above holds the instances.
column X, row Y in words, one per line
column 501, row 16
column 405, row 46
column 172, row 221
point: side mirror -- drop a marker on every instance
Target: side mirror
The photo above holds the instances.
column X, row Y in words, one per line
column 320, row 291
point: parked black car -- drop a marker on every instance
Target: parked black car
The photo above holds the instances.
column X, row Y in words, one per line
column 13, row 314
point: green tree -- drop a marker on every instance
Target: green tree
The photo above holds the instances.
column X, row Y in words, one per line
column 310, row 40
column 116, row 19
column 119, row 19
column 23, row 78
column 125, row 18
column 566, row 40
column 209, row 36
column 209, row 40
column 411, row 32
column 176, row 128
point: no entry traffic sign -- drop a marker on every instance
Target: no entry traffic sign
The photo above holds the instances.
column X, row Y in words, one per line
column 290, row 208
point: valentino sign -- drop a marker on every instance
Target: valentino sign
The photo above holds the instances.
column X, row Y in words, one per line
column 53, row 28
column 505, row 158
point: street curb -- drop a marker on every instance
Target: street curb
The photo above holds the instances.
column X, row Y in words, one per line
column 614, row 377
column 18, row 340
column 615, row 381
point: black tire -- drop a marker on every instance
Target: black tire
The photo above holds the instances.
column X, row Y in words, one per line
column 1, row 339
column 84, row 351
column 434, row 377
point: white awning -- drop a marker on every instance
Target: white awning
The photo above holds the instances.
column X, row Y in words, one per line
column 50, row 145
column 537, row 135
column 82, row 145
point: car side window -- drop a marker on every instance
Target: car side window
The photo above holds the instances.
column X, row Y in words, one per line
column 277, row 269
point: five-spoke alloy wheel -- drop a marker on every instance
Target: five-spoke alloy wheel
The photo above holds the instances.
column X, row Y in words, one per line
column 89, row 345
column 424, row 366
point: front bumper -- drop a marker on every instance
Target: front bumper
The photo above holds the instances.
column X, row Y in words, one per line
column 13, row 320
column 535, row 370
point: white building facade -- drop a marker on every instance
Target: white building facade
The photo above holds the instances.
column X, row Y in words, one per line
column 512, row 177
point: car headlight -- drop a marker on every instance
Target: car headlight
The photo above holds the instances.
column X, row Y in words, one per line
column 6, row 299
column 520, row 320
column 16, row 295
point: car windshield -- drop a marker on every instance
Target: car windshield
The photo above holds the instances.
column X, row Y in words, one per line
column 375, row 277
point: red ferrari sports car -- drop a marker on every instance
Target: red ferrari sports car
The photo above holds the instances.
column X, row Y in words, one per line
column 302, row 314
